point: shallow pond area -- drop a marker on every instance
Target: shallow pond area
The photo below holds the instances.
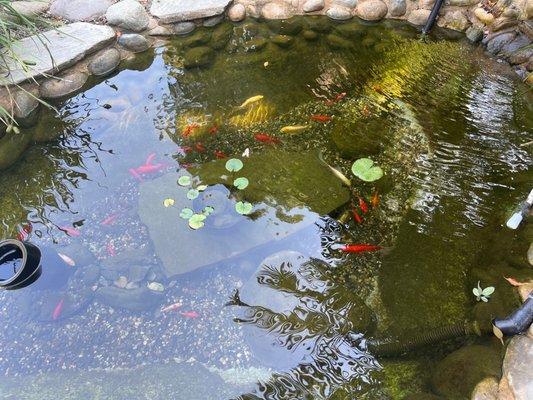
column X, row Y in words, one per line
column 257, row 301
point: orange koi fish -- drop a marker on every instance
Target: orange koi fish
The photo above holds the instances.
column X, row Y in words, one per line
column 264, row 138
column 374, row 201
column 57, row 310
column 514, row 282
column 172, row 307
column 320, row 118
column 359, row 248
column 362, row 205
column 356, row 216
column 190, row 314
column 213, row 130
column 189, row 129
column 199, row 147
column 147, row 168
column 24, row 232
column 220, row 154
column 70, row 231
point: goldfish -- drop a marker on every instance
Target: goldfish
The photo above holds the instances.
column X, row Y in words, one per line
column 251, row 100
column 264, row 138
column 189, row 129
column 220, row 154
column 374, row 201
column 109, row 220
column 335, row 171
column 365, row 111
column 70, row 231
column 24, row 232
column 514, row 282
column 186, row 149
column 337, row 98
column 356, row 216
column 171, row 307
column 147, row 168
column 362, row 205
column 199, row 147
column 58, row 309
column 293, row 128
column 190, row 314
column 111, row 250
column 213, row 130
column 359, row 248
column 320, row 118
column 67, row 259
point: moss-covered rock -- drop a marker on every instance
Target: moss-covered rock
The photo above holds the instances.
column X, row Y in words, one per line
column 350, row 30
column 319, row 24
column 200, row 38
column 255, row 44
column 11, row 147
column 310, row 35
column 337, row 42
column 358, row 138
column 401, row 378
column 291, row 26
column 221, row 35
column 282, row 41
column 198, row 57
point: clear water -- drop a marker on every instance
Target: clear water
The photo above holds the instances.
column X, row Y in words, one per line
column 443, row 121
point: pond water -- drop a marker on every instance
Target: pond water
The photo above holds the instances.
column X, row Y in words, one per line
column 262, row 303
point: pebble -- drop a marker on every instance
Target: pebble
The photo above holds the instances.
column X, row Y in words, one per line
column 104, row 62
column 339, row 13
column 237, row 12
column 121, row 282
column 133, row 42
column 129, row 15
column 418, row 17
column 276, row 11
column 474, row 34
column 372, row 10
column 184, row 28
column 313, row 5
column 160, row 31
column 156, row 286
column 397, row 8
column 64, row 86
column 483, row 16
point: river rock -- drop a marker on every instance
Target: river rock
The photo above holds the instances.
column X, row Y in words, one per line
column 200, row 38
column 30, row 9
column 313, row 5
column 134, row 42
column 397, row 8
column 483, row 16
column 79, row 10
column 519, row 42
column 495, row 43
column 337, row 42
column 418, row 17
column 455, row 20
column 213, row 21
column 474, row 34
column 276, row 11
column 282, row 41
column 160, row 30
column 25, row 109
column 183, row 28
column 339, row 13
column 63, row 85
column 104, row 62
column 310, row 35
column 237, row 12
column 198, row 57
column 372, row 10
column 457, row 375
column 186, row 10
column 129, row 15
column 521, row 56
column 517, row 367
column 138, row 299
column 530, row 249
column 346, row 3
column 487, row 389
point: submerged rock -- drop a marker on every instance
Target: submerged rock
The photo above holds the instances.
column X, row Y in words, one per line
column 200, row 38
column 198, row 57
column 336, row 42
column 221, row 36
column 213, row 21
column 63, row 86
column 310, row 35
column 138, row 299
column 104, row 62
column 183, row 28
column 134, row 42
column 319, row 24
column 283, row 41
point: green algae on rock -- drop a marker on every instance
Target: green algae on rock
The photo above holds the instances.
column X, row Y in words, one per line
column 198, row 57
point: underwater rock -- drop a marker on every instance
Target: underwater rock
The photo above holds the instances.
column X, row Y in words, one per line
column 357, row 138
column 517, row 367
column 11, row 147
column 237, row 13
column 339, row 13
column 336, row 42
column 198, row 57
column 79, row 253
column 134, row 42
column 319, row 24
column 418, row 17
column 213, row 21
column 486, row 389
column 104, row 62
column 310, row 35
column 313, row 5
column 25, row 109
column 350, row 30
column 66, row 84
column 183, row 28
column 138, row 299
column 221, row 36
column 129, row 15
column 255, row 44
column 276, row 11
column 457, row 374
column 291, row 26
column 137, row 273
column 200, row 38
column 372, row 10
column 397, row 8
column 282, row 41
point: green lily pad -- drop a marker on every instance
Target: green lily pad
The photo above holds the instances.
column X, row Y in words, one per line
column 241, row 183
column 234, row 165
column 192, row 194
column 365, row 170
column 184, row 180
column 197, row 221
column 201, row 188
column 208, row 210
column 243, row 207
column 186, row 213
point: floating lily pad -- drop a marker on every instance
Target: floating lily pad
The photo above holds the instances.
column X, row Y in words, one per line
column 168, row 202
column 184, row 180
column 201, row 188
column 243, row 207
column 192, row 194
column 197, row 221
column 234, row 165
column 208, row 210
column 241, row 183
column 365, row 170
column 186, row 213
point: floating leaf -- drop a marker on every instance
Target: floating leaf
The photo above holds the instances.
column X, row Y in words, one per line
column 241, row 183
column 184, row 180
column 197, row 221
column 476, row 291
column 201, row 188
column 514, row 282
column 498, row 333
column 234, row 165
column 192, row 194
column 186, row 213
column 487, row 291
column 243, row 207
column 208, row 210
column 365, row 170
column 168, row 202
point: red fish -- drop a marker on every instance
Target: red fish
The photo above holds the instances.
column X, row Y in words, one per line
column 24, row 232
column 359, row 248
column 213, row 130
column 147, row 168
column 57, row 310
column 199, row 147
column 264, row 138
column 172, row 307
column 109, row 220
column 111, row 250
column 363, row 205
column 375, row 199
column 190, row 314
column 356, row 216
column 70, row 231
column 189, row 129
column 220, row 154
column 186, row 149
column 340, row 96
column 321, row 118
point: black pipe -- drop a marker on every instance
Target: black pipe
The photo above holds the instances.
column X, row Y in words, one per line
column 432, row 17
column 518, row 321
column 23, row 261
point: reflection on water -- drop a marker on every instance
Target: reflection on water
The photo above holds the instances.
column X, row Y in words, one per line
column 147, row 295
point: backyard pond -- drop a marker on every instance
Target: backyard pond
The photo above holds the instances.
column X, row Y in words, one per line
column 212, row 226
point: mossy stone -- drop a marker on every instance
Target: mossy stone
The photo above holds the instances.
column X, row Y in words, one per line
column 319, row 24
column 310, row 35
column 255, row 44
column 291, row 26
column 350, row 30
column 282, row 41
column 337, row 42
column 221, row 36
column 200, row 38
column 198, row 57
column 11, row 147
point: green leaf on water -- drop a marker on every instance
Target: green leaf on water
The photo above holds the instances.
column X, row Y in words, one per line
column 365, row 170
column 243, row 207
column 487, row 291
column 241, row 183
column 208, row 210
column 476, row 291
column 234, row 165
column 201, row 188
column 197, row 221
column 192, row 194
column 186, row 213
column 184, row 180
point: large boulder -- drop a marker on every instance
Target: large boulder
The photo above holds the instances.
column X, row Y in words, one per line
column 79, row 10
column 129, row 15
column 517, row 369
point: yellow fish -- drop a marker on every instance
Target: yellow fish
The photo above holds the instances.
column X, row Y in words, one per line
column 293, row 128
column 251, row 100
column 335, row 171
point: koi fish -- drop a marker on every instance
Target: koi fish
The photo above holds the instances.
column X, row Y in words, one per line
column 293, row 128
column 111, row 250
column 336, row 99
column 335, row 171
column 320, row 118
column 377, row 88
column 149, row 159
column 186, row 149
column 365, row 111
column 359, row 248
column 70, row 231
column 190, row 314
column 374, row 201
column 147, row 168
column 189, row 129
column 356, row 216
column 67, row 259
column 251, row 100
column 109, row 220
column 172, row 307
column 514, row 282
column 362, row 205
column 199, row 147
column 264, row 138
column 213, row 130
column 57, row 310
column 133, row 172
column 220, row 154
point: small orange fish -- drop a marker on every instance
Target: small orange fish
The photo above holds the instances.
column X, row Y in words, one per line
column 109, row 220
column 24, row 232
column 377, row 88
column 356, row 216
column 70, row 231
column 190, row 314
column 514, row 282
column 320, row 118
column 359, row 248
column 172, row 307
column 365, row 111
column 57, row 310
column 362, row 205
column 189, row 129
column 220, row 154
column 374, row 201
column 264, row 138
column 199, row 147
column 340, row 96
column 213, row 130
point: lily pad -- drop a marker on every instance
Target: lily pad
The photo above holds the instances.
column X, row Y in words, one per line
column 168, row 202
column 234, row 165
column 186, row 213
column 241, row 183
column 197, row 221
column 201, row 188
column 208, row 210
column 192, row 194
column 184, row 180
column 365, row 170
column 243, row 207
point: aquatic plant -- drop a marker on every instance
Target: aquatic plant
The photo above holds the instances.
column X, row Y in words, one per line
column 365, row 170
column 482, row 294
column 241, row 183
column 243, row 207
column 234, row 165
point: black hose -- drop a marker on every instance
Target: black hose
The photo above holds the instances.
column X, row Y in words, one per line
column 518, row 321
column 432, row 17
column 23, row 260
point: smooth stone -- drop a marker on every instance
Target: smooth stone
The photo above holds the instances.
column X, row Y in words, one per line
column 186, row 10
column 11, row 147
column 530, row 249
column 183, row 28
column 282, row 41
column 221, row 35
column 160, row 31
column 456, row 20
column 213, row 21
column 57, row 49
column 372, row 10
column 276, row 11
column 139, row 299
column 339, row 13
column 25, row 109
column 237, row 12
column 483, row 16
column 397, row 8
column 517, row 367
column 129, row 15
column 134, row 42
column 156, row 287
column 79, row 10
column 310, row 35
column 337, row 42
column 30, row 9
column 198, row 57
column 104, row 62
column 313, row 5
column 418, row 17
column 474, row 34
column 510, row 48
column 62, row 86
column 495, row 44
column 346, row 3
